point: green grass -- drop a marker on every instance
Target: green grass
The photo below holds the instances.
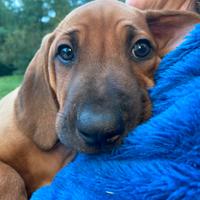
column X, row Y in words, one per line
column 9, row 83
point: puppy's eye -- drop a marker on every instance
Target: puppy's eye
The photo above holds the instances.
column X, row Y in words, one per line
column 65, row 53
column 142, row 49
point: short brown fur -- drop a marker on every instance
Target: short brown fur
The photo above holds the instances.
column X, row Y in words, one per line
column 38, row 120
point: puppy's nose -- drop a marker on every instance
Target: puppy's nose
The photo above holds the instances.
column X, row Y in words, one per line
column 98, row 125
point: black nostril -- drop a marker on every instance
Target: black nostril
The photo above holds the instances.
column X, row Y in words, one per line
column 96, row 124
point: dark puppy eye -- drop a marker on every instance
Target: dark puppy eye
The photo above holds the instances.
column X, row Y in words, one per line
column 142, row 49
column 65, row 53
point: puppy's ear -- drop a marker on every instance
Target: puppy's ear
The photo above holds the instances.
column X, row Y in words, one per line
column 36, row 104
column 170, row 27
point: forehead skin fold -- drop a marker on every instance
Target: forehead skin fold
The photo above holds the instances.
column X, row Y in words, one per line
column 100, row 14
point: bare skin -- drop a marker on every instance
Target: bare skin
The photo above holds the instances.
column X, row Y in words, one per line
column 164, row 4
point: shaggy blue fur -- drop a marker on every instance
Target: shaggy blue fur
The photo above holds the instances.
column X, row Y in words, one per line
column 161, row 158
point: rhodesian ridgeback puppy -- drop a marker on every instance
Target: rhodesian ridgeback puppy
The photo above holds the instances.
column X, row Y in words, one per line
column 85, row 88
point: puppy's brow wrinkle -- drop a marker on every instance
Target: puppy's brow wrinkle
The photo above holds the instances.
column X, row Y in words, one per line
column 127, row 26
column 68, row 32
column 131, row 31
column 74, row 28
column 124, row 22
column 130, row 27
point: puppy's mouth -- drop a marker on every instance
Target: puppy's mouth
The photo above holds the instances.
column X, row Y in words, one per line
column 91, row 131
column 82, row 144
column 97, row 141
column 95, row 126
column 98, row 144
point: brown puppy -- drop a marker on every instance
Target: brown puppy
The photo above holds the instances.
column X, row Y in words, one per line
column 85, row 88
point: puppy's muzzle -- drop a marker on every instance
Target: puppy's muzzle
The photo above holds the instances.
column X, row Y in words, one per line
column 99, row 125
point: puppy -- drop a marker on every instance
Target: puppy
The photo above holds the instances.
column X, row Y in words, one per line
column 84, row 90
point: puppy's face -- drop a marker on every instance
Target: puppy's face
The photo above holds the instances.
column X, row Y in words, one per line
column 103, row 58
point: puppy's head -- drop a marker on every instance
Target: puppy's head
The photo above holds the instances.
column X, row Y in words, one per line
column 99, row 63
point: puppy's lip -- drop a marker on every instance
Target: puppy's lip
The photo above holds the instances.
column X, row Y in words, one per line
column 113, row 139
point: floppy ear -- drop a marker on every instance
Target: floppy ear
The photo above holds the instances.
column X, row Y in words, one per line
column 36, row 104
column 170, row 27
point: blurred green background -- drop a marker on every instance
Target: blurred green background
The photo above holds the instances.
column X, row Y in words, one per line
column 23, row 23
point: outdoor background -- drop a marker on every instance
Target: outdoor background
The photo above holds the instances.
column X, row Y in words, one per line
column 23, row 23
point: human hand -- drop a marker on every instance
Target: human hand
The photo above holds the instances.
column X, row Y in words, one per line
column 163, row 4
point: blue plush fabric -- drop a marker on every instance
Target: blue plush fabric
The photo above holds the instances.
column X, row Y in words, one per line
column 161, row 158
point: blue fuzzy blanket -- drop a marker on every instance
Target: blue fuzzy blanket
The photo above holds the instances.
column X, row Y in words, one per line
column 161, row 158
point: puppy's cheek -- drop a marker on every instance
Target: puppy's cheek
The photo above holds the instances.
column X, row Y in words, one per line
column 68, row 136
column 62, row 130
